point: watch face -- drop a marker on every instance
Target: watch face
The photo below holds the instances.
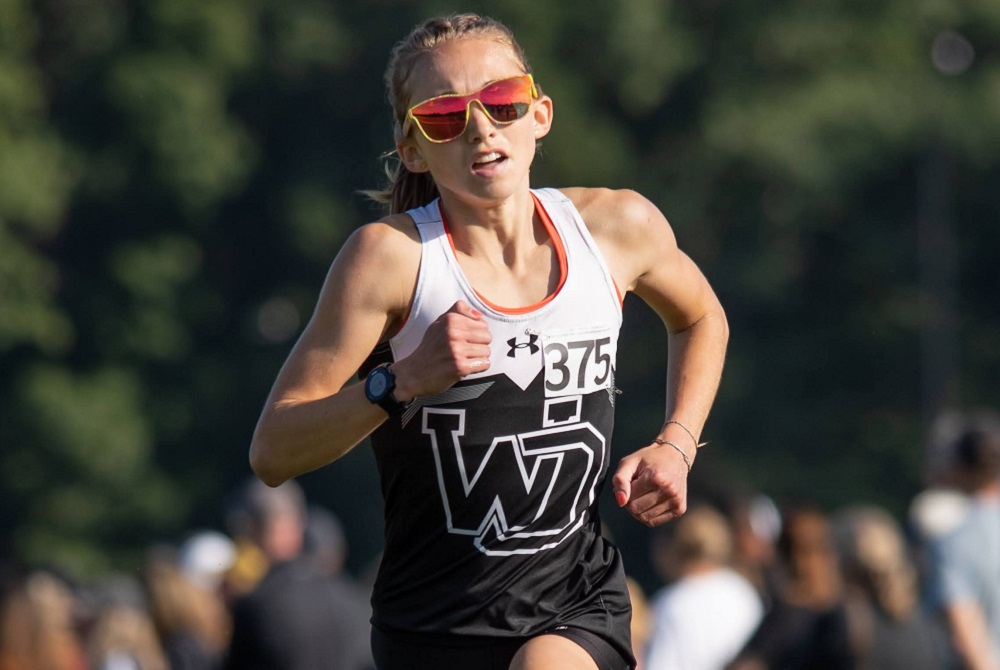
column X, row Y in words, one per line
column 377, row 384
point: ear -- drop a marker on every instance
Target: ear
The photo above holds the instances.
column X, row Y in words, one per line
column 409, row 154
column 541, row 115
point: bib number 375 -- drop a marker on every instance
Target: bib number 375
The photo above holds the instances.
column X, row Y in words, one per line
column 578, row 365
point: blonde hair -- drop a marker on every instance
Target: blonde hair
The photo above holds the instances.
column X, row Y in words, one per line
column 406, row 190
column 703, row 534
column 877, row 560
column 180, row 606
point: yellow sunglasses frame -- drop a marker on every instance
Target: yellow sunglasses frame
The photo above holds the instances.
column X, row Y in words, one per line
column 471, row 98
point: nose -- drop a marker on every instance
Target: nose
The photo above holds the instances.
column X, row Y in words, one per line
column 480, row 124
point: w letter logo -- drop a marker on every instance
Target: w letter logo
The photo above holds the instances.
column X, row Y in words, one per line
column 555, row 472
column 529, row 345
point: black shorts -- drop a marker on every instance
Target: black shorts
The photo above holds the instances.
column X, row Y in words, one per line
column 391, row 653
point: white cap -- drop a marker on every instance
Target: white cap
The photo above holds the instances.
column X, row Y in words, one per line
column 206, row 556
column 937, row 511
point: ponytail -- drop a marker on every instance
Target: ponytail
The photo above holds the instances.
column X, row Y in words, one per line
column 405, row 190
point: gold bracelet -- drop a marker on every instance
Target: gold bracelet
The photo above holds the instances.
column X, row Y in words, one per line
column 697, row 445
column 682, row 453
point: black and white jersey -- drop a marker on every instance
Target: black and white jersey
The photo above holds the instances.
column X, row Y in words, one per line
column 491, row 487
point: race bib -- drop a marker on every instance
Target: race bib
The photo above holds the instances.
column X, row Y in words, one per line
column 580, row 361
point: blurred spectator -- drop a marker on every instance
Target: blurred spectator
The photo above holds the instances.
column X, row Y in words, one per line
column 206, row 557
column 38, row 622
column 889, row 630
column 806, row 625
column 708, row 611
column 965, row 562
column 939, row 450
column 942, row 506
column 298, row 617
column 190, row 615
column 326, row 548
column 756, row 523
column 642, row 622
column 120, row 633
column 935, row 512
column 325, row 543
column 250, row 564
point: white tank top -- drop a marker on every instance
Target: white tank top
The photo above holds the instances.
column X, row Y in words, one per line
column 586, row 300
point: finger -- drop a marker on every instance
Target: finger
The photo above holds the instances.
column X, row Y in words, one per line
column 478, row 365
column 477, row 335
column 467, row 345
column 650, row 486
column 622, row 480
column 465, row 309
column 650, row 510
column 657, row 484
column 472, row 352
column 466, row 320
column 654, row 503
column 652, row 520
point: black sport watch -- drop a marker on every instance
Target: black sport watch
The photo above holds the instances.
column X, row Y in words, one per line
column 379, row 385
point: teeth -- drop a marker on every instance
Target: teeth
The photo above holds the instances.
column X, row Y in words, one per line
column 489, row 157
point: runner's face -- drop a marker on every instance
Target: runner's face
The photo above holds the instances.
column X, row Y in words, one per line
column 488, row 161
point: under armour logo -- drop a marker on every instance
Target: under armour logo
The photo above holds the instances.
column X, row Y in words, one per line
column 529, row 345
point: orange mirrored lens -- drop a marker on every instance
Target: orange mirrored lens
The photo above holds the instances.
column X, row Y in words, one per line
column 444, row 117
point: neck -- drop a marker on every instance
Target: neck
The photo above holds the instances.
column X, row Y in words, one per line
column 506, row 251
column 498, row 230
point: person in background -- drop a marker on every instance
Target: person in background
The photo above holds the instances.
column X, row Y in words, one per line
column 806, row 626
column 325, row 542
column 941, row 505
column 206, row 557
column 708, row 611
column 292, row 619
column 965, row 561
column 120, row 631
column 326, row 547
column 642, row 622
column 38, row 621
column 888, row 625
column 756, row 523
column 249, row 564
column 191, row 617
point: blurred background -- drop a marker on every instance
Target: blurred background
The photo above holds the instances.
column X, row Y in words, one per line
column 177, row 175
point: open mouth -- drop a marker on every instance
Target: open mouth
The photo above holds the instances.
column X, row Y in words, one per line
column 489, row 160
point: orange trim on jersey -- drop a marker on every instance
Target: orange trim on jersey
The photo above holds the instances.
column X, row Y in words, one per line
column 550, row 228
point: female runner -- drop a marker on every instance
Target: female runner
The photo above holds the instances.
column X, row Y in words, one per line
column 484, row 317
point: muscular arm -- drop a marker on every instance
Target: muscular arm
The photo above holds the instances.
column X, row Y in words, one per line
column 313, row 416
column 642, row 252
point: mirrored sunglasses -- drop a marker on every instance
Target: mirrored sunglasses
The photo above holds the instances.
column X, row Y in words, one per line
column 444, row 117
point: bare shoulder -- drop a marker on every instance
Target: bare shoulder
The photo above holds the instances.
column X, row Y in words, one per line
column 392, row 238
column 632, row 233
column 373, row 276
column 364, row 298
column 616, row 212
column 641, row 251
